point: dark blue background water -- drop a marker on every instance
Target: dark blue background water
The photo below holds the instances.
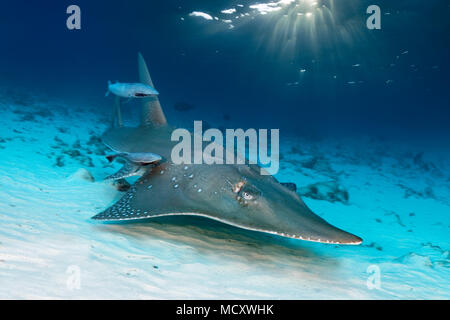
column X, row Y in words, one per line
column 244, row 72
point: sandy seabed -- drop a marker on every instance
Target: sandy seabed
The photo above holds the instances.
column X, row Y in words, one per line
column 52, row 166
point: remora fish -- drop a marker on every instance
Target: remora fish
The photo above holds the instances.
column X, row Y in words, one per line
column 237, row 195
column 136, row 157
column 131, row 90
column 137, row 163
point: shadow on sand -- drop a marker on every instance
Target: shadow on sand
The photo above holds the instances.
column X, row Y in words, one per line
column 212, row 239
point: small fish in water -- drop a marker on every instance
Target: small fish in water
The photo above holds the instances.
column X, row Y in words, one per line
column 137, row 164
column 131, row 90
column 136, row 157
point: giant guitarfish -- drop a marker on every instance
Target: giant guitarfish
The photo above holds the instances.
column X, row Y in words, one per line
column 237, row 195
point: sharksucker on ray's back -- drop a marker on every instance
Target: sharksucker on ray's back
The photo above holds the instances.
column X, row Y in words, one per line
column 236, row 194
column 137, row 164
column 136, row 157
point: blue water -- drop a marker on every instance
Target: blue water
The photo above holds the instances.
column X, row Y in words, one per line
column 245, row 72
